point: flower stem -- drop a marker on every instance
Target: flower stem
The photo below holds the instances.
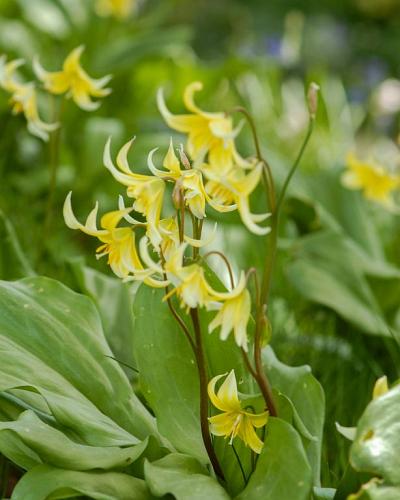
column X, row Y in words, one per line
column 240, row 464
column 295, row 164
column 200, row 359
column 54, row 148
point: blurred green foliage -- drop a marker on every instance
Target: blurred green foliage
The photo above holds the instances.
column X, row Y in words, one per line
column 257, row 54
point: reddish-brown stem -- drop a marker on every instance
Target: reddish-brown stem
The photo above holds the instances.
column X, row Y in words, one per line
column 200, row 359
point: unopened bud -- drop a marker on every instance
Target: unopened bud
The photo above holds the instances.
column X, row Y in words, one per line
column 312, row 97
column 184, row 159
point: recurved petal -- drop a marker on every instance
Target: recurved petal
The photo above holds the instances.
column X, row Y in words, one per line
column 213, row 396
column 72, row 222
column 71, row 62
column 153, row 169
column 82, row 99
column 181, row 123
column 249, row 436
column 227, row 394
column 188, row 99
column 248, row 218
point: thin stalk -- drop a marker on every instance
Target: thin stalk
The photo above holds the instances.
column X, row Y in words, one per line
column 248, row 364
column 54, row 148
column 200, row 358
column 181, row 323
column 225, row 259
column 262, row 297
column 295, row 165
column 240, row 464
column 267, row 173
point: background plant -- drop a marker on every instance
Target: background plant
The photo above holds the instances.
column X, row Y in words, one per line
column 338, row 315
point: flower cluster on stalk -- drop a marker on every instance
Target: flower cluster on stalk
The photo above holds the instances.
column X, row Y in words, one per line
column 143, row 242
column 72, row 81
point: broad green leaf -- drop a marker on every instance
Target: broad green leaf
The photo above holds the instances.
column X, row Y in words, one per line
column 331, row 270
column 167, row 372
column 334, row 203
column 183, row 477
column 55, row 448
column 376, row 446
column 48, row 483
column 114, row 300
column 307, row 397
column 53, row 359
column 282, row 469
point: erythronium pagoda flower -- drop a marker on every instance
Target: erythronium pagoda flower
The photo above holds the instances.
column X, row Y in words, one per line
column 234, row 421
column 375, row 181
column 118, row 242
column 212, row 148
column 169, row 254
column 234, row 315
column 120, row 9
column 211, row 133
column 24, row 98
column 73, row 81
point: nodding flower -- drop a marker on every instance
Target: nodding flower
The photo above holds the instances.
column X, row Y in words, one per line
column 73, row 81
column 375, row 181
column 208, row 133
column 24, row 98
column 234, row 421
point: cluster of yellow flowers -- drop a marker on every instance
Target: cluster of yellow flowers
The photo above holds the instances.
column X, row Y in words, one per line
column 375, row 181
column 218, row 176
column 72, row 81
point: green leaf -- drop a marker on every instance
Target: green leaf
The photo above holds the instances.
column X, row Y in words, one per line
column 53, row 360
column 376, row 446
column 167, row 372
column 307, row 396
column 332, row 270
column 323, row 493
column 114, row 300
column 282, row 468
column 48, row 483
column 54, row 447
column 13, row 263
column 183, row 477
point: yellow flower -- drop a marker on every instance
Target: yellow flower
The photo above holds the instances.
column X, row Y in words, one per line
column 190, row 283
column 74, row 81
column 208, row 133
column 234, row 315
column 231, row 190
column 24, row 99
column 374, row 180
column 234, row 421
column 118, row 243
column 190, row 182
column 148, row 191
column 121, row 9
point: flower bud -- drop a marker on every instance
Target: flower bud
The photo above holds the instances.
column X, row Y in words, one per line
column 184, row 159
column 312, row 97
